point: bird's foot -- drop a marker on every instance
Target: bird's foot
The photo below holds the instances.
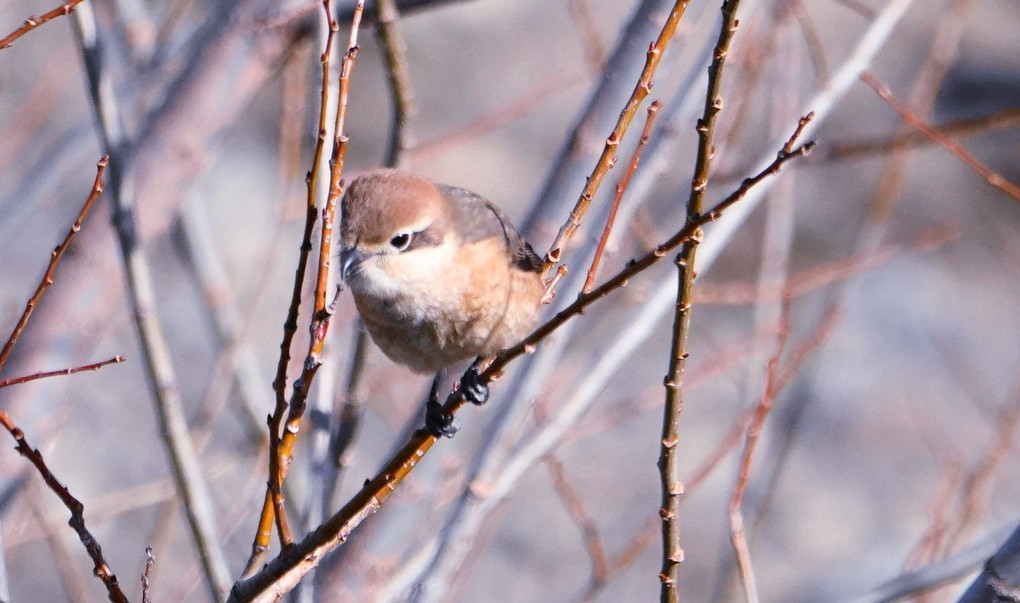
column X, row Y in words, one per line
column 475, row 391
column 438, row 423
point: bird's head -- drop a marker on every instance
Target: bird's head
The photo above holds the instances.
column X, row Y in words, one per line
column 395, row 227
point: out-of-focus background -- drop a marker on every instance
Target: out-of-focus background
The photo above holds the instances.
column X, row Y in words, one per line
column 889, row 447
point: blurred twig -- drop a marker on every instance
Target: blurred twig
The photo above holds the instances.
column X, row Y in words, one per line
column 532, row 98
column 594, row 49
column 941, row 572
column 398, row 79
column 187, row 470
column 823, row 275
column 993, row 178
column 33, row 22
column 575, row 507
column 966, row 126
column 736, row 515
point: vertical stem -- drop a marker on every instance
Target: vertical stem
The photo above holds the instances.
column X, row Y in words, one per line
column 672, row 488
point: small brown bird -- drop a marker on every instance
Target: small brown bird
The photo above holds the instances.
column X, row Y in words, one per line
column 439, row 276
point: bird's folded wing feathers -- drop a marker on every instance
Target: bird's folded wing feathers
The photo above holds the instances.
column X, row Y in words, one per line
column 481, row 219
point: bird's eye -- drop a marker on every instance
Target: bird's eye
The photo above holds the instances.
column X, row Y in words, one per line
column 401, row 241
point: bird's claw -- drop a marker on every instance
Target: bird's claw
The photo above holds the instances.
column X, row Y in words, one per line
column 475, row 391
column 438, row 423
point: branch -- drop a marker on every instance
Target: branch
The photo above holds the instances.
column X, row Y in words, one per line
column 966, row 126
column 282, row 438
column 992, row 177
column 672, row 489
column 33, row 22
column 621, row 187
column 198, row 503
column 67, row 371
column 47, row 280
column 77, row 521
column 608, row 157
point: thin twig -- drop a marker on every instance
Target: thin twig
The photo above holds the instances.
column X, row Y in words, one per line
column 621, row 187
column 594, row 49
column 77, row 521
column 272, row 509
column 68, row 371
column 349, row 407
column 33, row 22
column 965, row 126
column 712, row 461
column 608, row 156
column 282, row 444
column 761, row 412
column 574, row 505
column 823, row 275
column 150, row 560
column 281, row 574
column 47, row 279
column 399, row 81
column 528, row 101
column 992, row 177
column 668, row 463
column 321, row 314
column 816, row 49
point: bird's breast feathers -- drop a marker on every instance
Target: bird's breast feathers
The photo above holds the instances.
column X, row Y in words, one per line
column 441, row 305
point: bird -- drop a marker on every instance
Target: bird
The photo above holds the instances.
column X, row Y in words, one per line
column 439, row 275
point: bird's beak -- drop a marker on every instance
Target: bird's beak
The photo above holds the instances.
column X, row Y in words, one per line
column 350, row 258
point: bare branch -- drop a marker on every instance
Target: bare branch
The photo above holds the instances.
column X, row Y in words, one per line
column 47, row 280
column 992, row 177
column 33, row 22
column 77, row 522
column 68, row 371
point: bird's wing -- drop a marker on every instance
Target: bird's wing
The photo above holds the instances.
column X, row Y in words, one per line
column 481, row 220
